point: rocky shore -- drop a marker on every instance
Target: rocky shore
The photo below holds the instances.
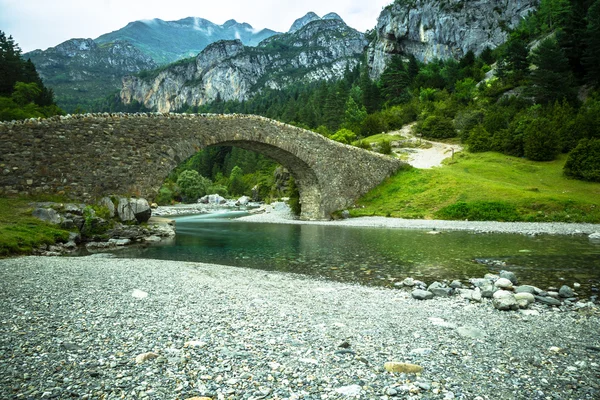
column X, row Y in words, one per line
column 101, row 327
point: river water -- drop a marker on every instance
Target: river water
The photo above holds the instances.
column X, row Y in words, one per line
column 377, row 256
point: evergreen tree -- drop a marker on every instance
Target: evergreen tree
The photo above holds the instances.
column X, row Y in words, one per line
column 11, row 64
column 553, row 14
column 395, row 81
column 551, row 79
column 591, row 58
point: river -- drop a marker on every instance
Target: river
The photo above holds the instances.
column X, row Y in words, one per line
column 378, row 256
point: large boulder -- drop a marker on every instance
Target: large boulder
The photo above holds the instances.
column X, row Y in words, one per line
column 48, row 215
column 130, row 210
column 107, row 202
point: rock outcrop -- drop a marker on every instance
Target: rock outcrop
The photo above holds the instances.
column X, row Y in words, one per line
column 228, row 70
column 443, row 29
column 81, row 71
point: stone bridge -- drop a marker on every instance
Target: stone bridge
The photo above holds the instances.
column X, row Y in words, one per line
column 91, row 155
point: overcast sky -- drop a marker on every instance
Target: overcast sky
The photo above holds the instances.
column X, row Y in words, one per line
column 39, row 24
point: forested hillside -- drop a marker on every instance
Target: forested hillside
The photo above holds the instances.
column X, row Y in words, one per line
column 536, row 96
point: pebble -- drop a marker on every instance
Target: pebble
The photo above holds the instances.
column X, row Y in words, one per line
column 402, row 368
column 420, row 294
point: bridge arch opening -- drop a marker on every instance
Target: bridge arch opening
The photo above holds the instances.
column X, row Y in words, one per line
column 305, row 178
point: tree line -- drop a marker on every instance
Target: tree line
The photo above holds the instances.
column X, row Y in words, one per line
column 22, row 92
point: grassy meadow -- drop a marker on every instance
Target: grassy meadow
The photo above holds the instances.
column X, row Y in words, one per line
column 20, row 233
column 485, row 186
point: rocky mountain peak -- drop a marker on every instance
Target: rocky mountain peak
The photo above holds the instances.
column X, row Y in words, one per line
column 301, row 22
column 332, row 15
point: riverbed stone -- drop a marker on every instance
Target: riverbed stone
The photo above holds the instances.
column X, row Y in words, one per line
column 488, row 291
column 440, row 290
column 505, row 300
column 421, row 294
column 528, row 297
column 566, row 292
column 503, row 283
column 402, row 368
column 547, row 300
column 526, row 289
column 510, row 276
column 410, row 282
column 456, row 284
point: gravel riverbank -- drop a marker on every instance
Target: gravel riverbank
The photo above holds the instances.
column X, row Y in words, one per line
column 527, row 228
column 73, row 328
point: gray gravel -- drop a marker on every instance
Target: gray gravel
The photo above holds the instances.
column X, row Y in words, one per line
column 73, row 327
column 527, row 228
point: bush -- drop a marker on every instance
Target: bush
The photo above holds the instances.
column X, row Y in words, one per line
column 164, row 197
column 372, row 125
column 479, row 211
column 466, row 120
column 345, row 136
column 584, row 161
column 192, row 185
column 540, row 141
column 436, row 127
column 363, row 144
column 385, row 147
column 479, row 140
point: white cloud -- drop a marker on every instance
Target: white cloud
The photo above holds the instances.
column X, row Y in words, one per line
column 42, row 23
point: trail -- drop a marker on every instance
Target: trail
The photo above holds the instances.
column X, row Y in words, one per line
column 420, row 157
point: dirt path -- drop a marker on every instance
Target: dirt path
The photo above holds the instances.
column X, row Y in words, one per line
column 424, row 157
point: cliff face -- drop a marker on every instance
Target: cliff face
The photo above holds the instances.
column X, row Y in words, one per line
column 443, row 29
column 81, row 71
column 228, row 70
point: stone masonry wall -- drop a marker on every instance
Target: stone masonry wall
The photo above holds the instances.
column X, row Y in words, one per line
column 91, row 155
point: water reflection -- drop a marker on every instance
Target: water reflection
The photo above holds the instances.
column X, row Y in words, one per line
column 376, row 256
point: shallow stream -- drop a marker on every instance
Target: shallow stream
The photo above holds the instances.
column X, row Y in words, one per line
column 378, row 256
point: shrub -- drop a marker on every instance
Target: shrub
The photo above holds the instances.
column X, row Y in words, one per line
column 373, row 125
column 192, row 185
column 466, row 120
column 363, row 144
column 540, row 141
column 584, row 161
column 436, row 127
column 479, row 211
column 479, row 140
column 345, row 136
column 164, row 197
column 385, row 147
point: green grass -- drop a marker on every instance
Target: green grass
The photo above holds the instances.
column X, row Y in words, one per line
column 488, row 186
column 20, row 233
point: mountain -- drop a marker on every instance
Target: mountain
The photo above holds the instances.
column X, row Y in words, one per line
column 169, row 41
column 321, row 50
column 81, row 71
column 431, row 29
column 310, row 17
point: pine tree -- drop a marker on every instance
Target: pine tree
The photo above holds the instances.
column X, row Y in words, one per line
column 551, row 79
column 10, row 64
column 395, row 81
column 591, row 57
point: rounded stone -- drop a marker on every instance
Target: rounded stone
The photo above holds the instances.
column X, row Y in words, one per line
column 402, row 368
column 503, row 283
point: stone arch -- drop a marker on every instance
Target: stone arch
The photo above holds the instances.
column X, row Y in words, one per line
column 91, row 155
